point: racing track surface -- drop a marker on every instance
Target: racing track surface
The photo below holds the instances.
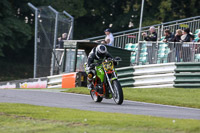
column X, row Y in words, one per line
column 84, row 102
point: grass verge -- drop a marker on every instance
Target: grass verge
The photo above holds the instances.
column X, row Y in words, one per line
column 168, row 96
column 30, row 118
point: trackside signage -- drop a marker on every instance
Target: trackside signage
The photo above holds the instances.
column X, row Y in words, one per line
column 37, row 84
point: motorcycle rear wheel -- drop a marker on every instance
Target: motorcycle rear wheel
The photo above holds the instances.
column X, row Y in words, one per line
column 95, row 97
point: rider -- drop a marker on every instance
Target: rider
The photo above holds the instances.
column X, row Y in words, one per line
column 97, row 54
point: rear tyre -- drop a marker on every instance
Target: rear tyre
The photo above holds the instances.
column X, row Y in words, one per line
column 118, row 92
column 95, row 96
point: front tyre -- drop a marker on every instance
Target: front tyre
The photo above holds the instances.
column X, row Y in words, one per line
column 95, row 96
column 118, row 92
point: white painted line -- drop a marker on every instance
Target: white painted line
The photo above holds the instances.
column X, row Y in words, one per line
column 173, row 106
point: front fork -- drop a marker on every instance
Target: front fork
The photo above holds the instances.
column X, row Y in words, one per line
column 109, row 81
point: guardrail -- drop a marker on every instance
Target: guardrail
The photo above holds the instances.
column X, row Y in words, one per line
column 187, row 75
column 67, row 80
column 55, row 81
column 184, row 75
column 147, row 76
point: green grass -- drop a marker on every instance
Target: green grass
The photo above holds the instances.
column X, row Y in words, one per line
column 29, row 118
column 168, row 96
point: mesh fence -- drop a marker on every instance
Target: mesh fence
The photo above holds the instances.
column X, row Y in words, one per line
column 63, row 30
column 49, row 60
column 46, row 27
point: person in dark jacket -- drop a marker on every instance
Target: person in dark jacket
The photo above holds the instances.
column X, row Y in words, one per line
column 186, row 35
column 97, row 54
column 178, row 35
column 151, row 48
column 61, row 40
column 186, row 51
column 152, row 36
column 178, row 46
column 168, row 36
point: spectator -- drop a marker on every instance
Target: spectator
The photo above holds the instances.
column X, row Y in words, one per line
column 109, row 37
column 151, row 47
column 178, row 46
column 186, row 35
column 168, row 36
column 60, row 40
column 178, row 35
column 152, row 36
column 186, row 51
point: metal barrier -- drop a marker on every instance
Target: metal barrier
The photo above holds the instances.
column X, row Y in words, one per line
column 160, row 52
column 187, row 75
column 67, row 80
column 131, row 36
column 182, row 74
column 147, row 76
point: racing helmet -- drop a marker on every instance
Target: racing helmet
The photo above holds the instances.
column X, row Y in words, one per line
column 101, row 51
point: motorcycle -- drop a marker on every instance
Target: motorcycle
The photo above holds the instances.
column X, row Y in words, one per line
column 105, row 82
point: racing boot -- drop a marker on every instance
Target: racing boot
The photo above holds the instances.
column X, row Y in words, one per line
column 90, row 84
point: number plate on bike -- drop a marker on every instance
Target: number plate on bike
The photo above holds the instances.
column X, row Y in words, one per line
column 108, row 65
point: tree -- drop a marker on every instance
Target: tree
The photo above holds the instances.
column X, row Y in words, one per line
column 14, row 33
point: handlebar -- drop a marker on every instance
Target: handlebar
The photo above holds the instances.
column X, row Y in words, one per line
column 116, row 59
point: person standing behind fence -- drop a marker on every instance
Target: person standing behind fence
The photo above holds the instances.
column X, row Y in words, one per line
column 151, row 47
column 178, row 35
column 178, row 45
column 60, row 40
column 186, row 50
column 168, row 36
column 109, row 37
column 186, row 35
column 152, row 36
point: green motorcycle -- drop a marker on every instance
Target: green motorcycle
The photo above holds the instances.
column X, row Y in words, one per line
column 106, row 84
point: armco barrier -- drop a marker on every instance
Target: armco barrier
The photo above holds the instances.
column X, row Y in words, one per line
column 147, row 76
column 187, row 75
column 25, row 83
column 67, row 80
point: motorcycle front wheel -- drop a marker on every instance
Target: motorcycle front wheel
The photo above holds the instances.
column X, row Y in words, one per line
column 95, row 96
column 118, row 92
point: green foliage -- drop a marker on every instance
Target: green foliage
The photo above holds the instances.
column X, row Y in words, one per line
column 175, row 9
column 14, row 33
column 13, row 70
column 29, row 118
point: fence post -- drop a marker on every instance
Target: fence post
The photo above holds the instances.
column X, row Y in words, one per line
column 35, row 39
column 72, row 25
column 138, row 54
column 141, row 14
column 55, row 38
column 161, row 34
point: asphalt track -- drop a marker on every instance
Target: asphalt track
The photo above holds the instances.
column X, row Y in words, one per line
column 84, row 102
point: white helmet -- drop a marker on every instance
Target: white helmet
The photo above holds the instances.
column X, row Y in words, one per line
column 101, row 51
